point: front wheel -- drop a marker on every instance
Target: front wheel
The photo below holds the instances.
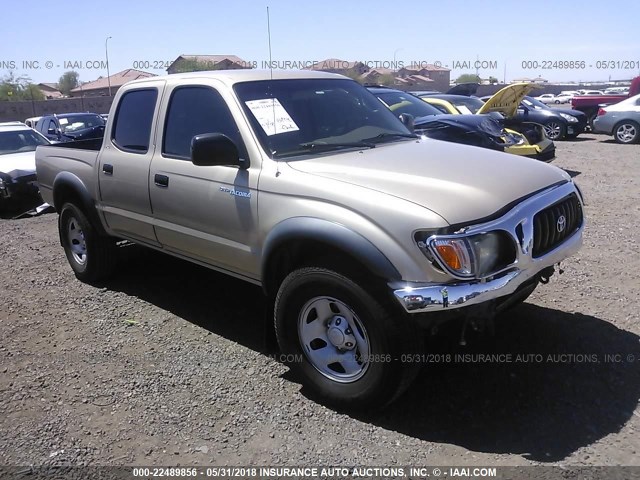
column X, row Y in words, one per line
column 91, row 256
column 627, row 132
column 555, row 130
column 345, row 346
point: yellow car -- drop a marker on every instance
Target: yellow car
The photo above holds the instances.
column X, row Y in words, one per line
column 506, row 101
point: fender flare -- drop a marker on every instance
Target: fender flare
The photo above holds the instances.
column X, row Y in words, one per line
column 68, row 181
column 332, row 234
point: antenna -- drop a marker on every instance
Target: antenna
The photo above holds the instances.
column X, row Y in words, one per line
column 269, row 34
column 273, row 100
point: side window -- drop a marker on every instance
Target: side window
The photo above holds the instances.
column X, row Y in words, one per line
column 133, row 120
column 51, row 126
column 195, row 110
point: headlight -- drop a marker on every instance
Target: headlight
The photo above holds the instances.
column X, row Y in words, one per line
column 569, row 118
column 475, row 256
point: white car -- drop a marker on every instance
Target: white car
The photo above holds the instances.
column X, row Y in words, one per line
column 31, row 121
column 591, row 92
column 546, row 98
column 18, row 160
column 562, row 98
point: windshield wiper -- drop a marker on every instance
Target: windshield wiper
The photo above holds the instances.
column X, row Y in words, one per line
column 386, row 135
column 330, row 146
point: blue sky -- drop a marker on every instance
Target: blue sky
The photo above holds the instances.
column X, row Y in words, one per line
column 507, row 33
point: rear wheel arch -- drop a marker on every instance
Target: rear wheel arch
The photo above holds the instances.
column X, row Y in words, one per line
column 67, row 188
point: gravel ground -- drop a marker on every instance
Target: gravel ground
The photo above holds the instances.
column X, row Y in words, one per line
column 166, row 363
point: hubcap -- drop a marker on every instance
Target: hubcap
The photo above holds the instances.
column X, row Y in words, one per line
column 553, row 130
column 626, row 133
column 333, row 339
column 77, row 244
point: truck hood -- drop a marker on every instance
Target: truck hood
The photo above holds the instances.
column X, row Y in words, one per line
column 506, row 100
column 18, row 164
column 460, row 183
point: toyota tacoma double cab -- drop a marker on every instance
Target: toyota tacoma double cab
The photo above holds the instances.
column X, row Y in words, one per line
column 359, row 232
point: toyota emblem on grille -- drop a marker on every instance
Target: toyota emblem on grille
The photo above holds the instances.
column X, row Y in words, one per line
column 561, row 223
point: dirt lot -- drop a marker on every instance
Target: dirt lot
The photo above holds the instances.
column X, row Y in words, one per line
column 165, row 364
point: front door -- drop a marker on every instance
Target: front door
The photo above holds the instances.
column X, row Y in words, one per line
column 208, row 213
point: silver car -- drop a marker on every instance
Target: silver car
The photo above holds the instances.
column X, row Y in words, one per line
column 622, row 120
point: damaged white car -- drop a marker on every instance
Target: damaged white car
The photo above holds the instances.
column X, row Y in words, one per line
column 18, row 145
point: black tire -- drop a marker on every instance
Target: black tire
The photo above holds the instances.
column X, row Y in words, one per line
column 592, row 116
column 99, row 259
column 631, row 133
column 390, row 338
column 555, row 129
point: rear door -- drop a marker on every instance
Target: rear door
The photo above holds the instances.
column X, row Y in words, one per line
column 125, row 159
column 208, row 213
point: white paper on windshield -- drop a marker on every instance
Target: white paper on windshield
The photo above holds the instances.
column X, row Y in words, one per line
column 63, row 121
column 464, row 109
column 272, row 116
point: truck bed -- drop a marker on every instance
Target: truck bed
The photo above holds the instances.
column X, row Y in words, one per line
column 80, row 157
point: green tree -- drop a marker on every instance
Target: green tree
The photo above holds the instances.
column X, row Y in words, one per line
column 14, row 88
column 68, row 81
column 468, row 78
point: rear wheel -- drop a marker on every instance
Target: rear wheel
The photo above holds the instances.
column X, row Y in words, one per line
column 555, row 130
column 627, row 132
column 91, row 256
column 345, row 346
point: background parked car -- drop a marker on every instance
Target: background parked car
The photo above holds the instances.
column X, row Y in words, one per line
column 573, row 128
column 68, row 127
column 558, row 123
column 563, row 98
column 533, row 132
column 547, row 98
column 476, row 130
column 621, row 120
column 18, row 161
column 31, row 122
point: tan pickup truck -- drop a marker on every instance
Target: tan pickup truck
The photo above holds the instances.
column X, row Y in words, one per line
column 360, row 232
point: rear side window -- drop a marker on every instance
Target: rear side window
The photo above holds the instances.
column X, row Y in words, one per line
column 196, row 110
column 134, row 118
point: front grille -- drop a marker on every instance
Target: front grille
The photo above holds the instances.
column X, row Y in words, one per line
column 547, row 231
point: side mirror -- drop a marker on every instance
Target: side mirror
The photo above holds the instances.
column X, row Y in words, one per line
column 52, row 131
column 408, row 121
column 209, row 149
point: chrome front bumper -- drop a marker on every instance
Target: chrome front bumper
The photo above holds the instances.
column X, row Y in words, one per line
column 423, row 297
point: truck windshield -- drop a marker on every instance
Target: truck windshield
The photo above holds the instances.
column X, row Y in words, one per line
column 20, row 141
column 302, row 116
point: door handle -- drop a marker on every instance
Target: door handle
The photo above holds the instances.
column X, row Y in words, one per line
column 161, row 180
column 108, row 169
